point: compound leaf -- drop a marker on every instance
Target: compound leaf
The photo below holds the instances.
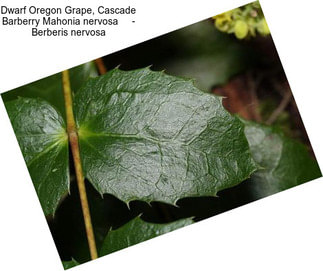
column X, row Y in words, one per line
column 285, row 162
column 149, row 136
column 137, row 231
column 40, row 131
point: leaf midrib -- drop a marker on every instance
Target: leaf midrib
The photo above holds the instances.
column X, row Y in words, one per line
column 84, row 134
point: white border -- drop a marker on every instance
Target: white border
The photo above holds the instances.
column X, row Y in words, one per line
column 281, row 232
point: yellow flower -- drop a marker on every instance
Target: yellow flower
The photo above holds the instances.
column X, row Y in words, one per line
column 263, row 28
column 222, row 21
column 241, row 29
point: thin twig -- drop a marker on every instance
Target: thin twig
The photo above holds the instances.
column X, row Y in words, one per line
column 100, row 65
column 284, row 102
column 74, row 143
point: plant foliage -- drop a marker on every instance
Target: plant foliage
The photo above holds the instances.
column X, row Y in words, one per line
column 147, row 136
column 284, row 162
column 143, row 135
column 137, row 231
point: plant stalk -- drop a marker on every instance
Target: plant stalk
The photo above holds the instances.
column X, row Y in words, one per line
column 74, row 143
column 100, row 65
column 281, row 107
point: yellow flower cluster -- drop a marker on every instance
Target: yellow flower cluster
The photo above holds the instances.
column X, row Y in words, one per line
column 244, row 22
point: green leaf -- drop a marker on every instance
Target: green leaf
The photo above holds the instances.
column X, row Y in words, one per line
column 69, row 264
column 137, row 231
column 143, row 135
column 50, row 88
column 40, row 131
column 285, row 162
column 153, row 137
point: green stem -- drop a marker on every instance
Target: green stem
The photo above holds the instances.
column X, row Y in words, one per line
column 74, row 143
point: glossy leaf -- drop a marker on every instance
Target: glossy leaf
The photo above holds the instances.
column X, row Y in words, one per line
column 50, row 88
column 285, row 162
column 143, row 135
column 137, row 231
column 153, row 137
column 40, row 131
